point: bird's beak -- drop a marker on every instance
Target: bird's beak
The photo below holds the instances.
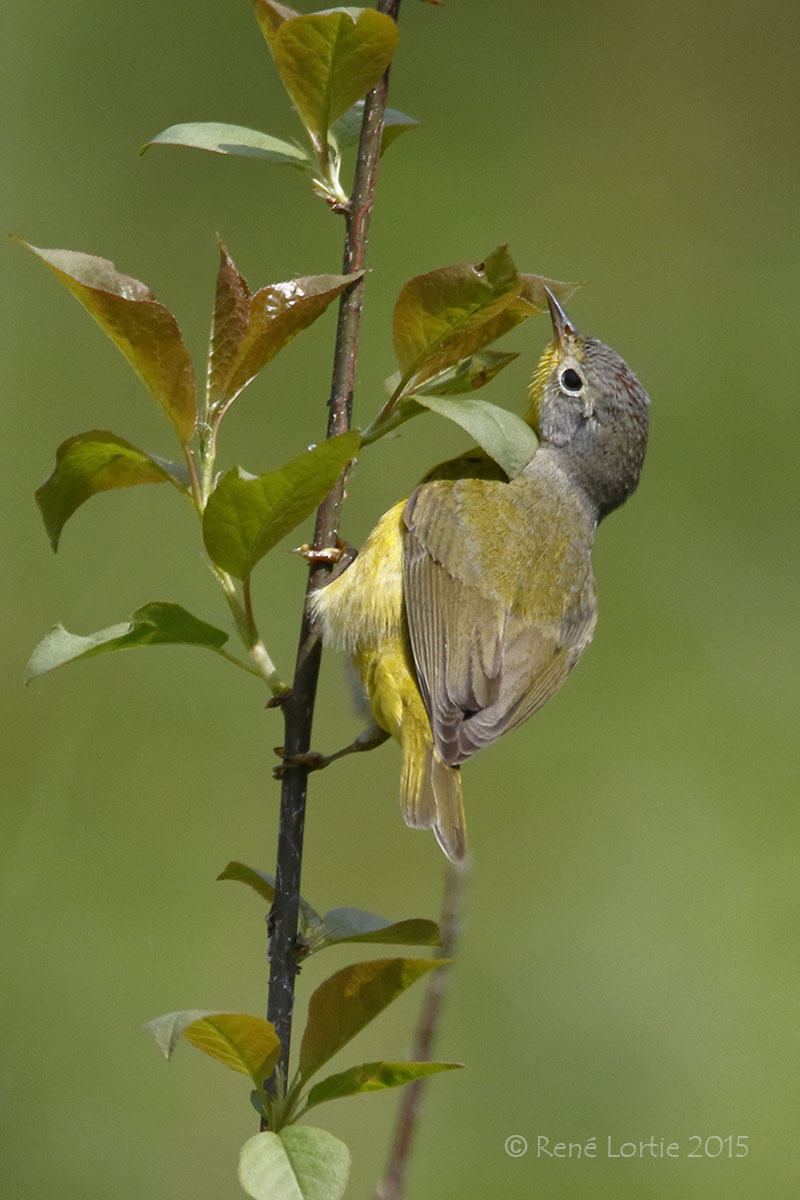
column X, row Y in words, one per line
column 562, row 326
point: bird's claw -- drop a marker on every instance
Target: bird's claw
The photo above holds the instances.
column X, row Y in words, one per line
column 315, row 557
column 339, row 556
column 311, row 760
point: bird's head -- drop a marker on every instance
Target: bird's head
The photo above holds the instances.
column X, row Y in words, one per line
column 589, row 407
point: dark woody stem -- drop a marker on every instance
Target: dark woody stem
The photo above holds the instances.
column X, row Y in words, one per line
column 298, row 707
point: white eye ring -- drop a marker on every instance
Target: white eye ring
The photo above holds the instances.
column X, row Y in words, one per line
column 571, row 382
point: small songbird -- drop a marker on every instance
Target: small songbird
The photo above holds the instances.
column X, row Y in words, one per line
column 473, row 599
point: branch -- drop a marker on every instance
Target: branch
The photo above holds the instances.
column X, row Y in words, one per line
column 392, row 1185
column 298, row 708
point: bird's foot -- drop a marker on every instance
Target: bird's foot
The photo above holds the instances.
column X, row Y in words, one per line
column 312, row 760
column 339, row 556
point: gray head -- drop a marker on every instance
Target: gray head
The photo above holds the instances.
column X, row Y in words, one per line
column 589, row 407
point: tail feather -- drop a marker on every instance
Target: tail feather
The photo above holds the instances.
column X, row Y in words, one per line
column 430, row 794
column 449, row 826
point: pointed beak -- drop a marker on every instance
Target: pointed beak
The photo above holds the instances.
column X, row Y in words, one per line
column 562, row 326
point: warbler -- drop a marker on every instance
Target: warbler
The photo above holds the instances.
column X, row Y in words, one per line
column 473, row 599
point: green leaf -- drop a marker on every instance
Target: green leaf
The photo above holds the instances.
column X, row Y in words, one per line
column 247, row 515
column 144, row 330
column 264, row 885
column 299, row 1163
column 504, row 436
column 157, row 623
column 355, row 925
column 451, row 313
column 467, row 375
column 349, row 1000
column 373, row 1077
column 327, row 60
column 250, row 329
column 346, row 131
column 340, row 924
column 89, row 463
column 231, row 139
column 244, row 1043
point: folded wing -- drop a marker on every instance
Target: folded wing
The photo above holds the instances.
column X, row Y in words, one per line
column 497, row 617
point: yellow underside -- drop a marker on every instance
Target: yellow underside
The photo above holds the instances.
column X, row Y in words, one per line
column 362, row 614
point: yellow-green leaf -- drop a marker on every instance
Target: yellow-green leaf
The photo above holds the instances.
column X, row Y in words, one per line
column 144, row 330
column 242, row 1042
column 373, row 1077
column 345, row 1003
column 327, row 60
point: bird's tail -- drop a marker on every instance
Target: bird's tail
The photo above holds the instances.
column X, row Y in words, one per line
column 430, row 792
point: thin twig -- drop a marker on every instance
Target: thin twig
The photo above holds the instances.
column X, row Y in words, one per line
column 392, row 1185
column 298, row 708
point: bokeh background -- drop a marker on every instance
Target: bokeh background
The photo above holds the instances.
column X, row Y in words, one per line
column 629, row 958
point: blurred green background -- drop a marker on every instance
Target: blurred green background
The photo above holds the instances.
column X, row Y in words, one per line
column 629, row 958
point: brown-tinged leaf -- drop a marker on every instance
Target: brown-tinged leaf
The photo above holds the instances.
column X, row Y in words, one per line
column 229, row 326
column 144, row 330
column 250, row 329
column 440, row 316
column 451, row 313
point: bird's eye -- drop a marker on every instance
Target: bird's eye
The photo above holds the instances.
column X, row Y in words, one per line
column 571, row 381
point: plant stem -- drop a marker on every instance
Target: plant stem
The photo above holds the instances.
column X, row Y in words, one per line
column 392, row 1185
column 298, row 708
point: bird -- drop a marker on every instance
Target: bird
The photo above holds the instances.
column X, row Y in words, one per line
column 474, row 597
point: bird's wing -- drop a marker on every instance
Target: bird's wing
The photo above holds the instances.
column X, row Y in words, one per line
column 485, row 661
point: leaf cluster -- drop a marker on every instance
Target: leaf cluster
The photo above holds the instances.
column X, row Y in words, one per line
column 286, row 1155
column 326, row 61
column 444, row 322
